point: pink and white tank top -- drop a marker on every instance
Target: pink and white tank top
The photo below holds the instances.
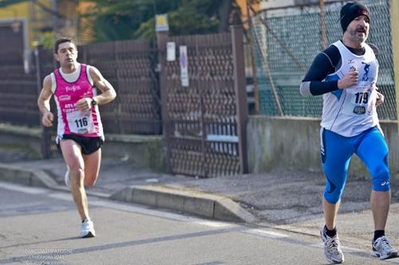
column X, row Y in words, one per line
column 67, row 93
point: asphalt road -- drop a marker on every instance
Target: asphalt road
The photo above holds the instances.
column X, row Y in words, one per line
column 40, row 226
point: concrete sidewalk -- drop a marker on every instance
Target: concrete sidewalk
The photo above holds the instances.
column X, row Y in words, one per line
column 282, row 199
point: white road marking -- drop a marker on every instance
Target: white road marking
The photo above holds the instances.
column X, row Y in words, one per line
column 346, row 249
column 23, row 189
column 61, row 196
column 263, row 233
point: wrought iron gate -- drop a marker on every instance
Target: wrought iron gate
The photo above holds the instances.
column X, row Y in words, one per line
column 205, row 109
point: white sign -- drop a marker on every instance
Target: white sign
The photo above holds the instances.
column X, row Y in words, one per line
column 171, row 51
column 183, row 66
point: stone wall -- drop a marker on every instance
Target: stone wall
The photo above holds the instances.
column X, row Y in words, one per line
column 273, row 143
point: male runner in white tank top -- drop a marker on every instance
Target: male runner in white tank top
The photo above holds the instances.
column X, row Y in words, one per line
column 346, row 75
column 79, row 132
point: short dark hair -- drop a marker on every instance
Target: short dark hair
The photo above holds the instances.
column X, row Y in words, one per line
column 62, row 40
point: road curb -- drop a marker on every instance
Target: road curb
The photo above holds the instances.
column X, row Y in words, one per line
column 26, row 176
column 184, row 201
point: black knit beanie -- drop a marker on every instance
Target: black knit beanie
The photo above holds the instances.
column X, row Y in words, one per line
column 350, row 11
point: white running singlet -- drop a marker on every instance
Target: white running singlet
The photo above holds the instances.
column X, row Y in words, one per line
column 350, row 111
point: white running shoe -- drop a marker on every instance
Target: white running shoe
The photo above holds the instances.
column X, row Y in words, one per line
column 87, row 229
column 383, row 249
column 332, row 248
column 67, row 179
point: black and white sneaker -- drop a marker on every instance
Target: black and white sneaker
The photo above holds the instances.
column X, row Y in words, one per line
column 332, row 248
column 383, row 249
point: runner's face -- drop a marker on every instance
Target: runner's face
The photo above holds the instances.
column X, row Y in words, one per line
column 359, row 28
column 66, row 54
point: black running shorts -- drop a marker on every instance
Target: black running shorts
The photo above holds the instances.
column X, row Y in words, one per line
column 89, row 145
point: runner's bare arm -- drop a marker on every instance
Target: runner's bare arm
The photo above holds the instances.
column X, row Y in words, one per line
column 108, row 92
column 43, row 102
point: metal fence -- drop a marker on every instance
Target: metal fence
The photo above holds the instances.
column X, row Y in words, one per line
column 285, row 42
column 205, row 115
column 204, row 121
column 18, row 90
column 130, row 66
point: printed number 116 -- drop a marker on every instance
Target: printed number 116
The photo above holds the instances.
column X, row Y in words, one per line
column 81, row 122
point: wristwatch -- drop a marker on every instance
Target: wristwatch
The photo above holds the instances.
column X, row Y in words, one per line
column 93, row 102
